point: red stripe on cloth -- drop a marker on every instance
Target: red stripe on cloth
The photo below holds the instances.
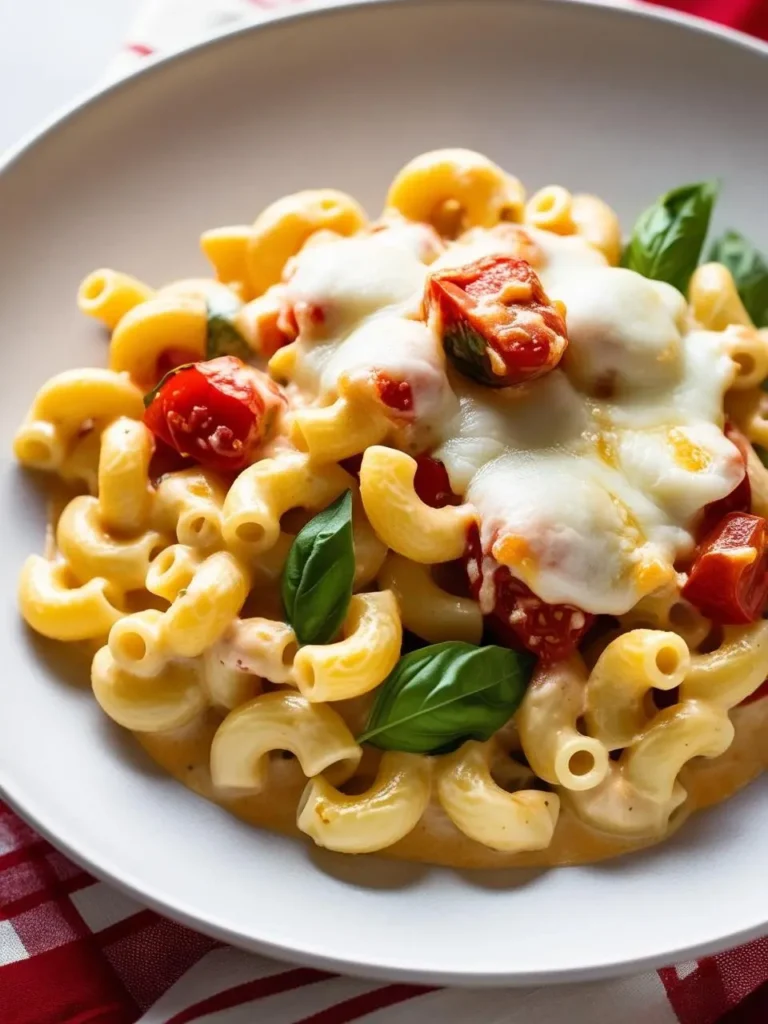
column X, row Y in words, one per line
column 251, row 991
column 30, row 900
column 68, row 985
column 149, row 953
column 751, row 1011
column 24, row 854
column 140, row 49
column 369, row 1002
column 750, row 16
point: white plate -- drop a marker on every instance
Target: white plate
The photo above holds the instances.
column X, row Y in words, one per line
column 623, row 104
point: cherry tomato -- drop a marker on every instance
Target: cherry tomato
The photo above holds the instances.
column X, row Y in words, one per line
column 431, row 483
column 519, row 618
column 740, row 498
column 498, row 324
column 395, row 394
column 729, row 579
column 217, row 412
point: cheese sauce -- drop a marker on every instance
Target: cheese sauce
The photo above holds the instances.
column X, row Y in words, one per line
column 588, row 480
column 185, row 755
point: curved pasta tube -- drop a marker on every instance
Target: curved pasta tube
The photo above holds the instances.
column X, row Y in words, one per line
column 202, row 289
column 226, row 249
column 715, row 300
column 227, row 687
column 370, row 551
column 199, row 616
column 172, row 570
column 665, row 609
column 137, row 643
column 91, row 551
column 125, row 495
column 315, row 733
column 597, row 224
column 748, row 349
column 632, row 664
column 334, row 432
column 546, row 723
column 619, row 808
column 281, row 230
column 265, row 491
column 758, row 482
column 454, row 190
column 81, row 463
column 64, row 404
column 425, row 608
column 355, row 665
column 400, row 517
column 748, row 409
column 551, row 209
column 108, row 295
column 374, row 820
column 163, row 702
column 268, row 566
column 263, row 647
column 731, row 673
column 692, row 728
column 482, row 810
column 190, row 502
column 146, row 332
column 62, row 612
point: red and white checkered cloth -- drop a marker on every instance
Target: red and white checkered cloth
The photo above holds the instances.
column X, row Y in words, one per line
column 76, row 951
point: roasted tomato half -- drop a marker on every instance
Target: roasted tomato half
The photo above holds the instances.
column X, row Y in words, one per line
column 728, row 581
column 518, row 618
column 217, row 412
column 498, row 325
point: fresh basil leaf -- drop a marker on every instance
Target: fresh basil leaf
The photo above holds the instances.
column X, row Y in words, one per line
column 222, row 337
column 750, row 272
column 668, row 237
column 319, row 573
column 152, row 395
column 438, row 697
column 467, row 349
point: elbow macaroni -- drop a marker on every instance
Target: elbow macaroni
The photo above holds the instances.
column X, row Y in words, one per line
column 177, row 576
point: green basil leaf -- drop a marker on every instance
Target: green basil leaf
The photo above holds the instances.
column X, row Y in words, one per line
column 319, row 573
column 222, row 337
column 750, row 272
column 467, row 349
column 668, row 237
column 437, row 697
column 152, row 395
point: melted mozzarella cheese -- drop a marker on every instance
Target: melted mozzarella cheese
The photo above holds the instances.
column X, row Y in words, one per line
column 622, row 333
column 588, row 500
column 348, row 280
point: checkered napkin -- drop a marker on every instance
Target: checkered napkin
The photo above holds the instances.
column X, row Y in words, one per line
column 76, row 951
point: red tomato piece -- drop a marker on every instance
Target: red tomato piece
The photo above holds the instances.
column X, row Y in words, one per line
column 729, row 579
column 217, row 412
column 431, row 483
column 519, row 618
column 171, row 358
column 740, row 498
column 498, row 324
column 395, row 394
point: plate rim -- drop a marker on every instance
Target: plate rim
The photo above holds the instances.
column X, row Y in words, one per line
column 24, row 804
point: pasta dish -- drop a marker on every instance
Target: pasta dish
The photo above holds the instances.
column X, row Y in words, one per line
column 442, row 534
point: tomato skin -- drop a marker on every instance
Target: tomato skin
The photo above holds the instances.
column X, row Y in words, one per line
column 431, row 483
column 728, row 581
column 520, row 619
column 216, row 412
column 498, row 324
column 740, row 498
column 395, row 394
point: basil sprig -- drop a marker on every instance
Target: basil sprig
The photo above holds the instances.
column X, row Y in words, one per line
column 750, row 272
column 319, row 573
column 439, row 696
column 222, row 337
column 668, row 237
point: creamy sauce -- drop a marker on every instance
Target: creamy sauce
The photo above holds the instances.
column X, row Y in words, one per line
column 185, row 755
